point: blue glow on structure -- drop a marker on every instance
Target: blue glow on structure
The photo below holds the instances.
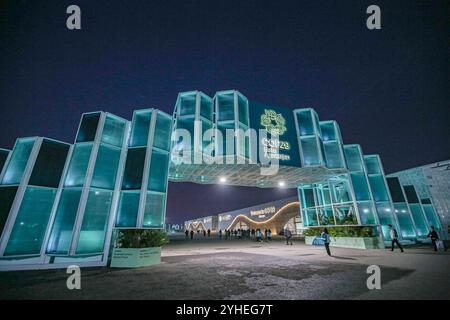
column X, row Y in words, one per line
column 115, row 176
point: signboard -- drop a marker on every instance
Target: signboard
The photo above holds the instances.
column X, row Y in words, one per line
column 280, row 122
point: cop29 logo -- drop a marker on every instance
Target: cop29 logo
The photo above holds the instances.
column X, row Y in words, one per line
column 273, row 122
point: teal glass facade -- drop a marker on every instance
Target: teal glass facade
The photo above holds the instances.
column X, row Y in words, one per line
column 61, row 203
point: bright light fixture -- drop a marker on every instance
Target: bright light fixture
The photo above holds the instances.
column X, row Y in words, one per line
column 223, row 179
column 281, row 184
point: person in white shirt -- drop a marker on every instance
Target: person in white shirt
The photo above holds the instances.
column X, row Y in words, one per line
column 394, row 238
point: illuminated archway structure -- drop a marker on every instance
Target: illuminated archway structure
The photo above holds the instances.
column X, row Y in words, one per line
column 60, row 203
column 275, row 223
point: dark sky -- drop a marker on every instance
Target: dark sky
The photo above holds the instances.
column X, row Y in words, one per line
column 388, row 89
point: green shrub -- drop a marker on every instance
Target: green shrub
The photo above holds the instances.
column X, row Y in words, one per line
column 141, row 238
column 344, row 231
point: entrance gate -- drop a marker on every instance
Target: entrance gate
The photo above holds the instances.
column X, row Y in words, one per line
column 60, row 203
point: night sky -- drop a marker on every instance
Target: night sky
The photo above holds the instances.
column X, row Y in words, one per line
column 388, row 89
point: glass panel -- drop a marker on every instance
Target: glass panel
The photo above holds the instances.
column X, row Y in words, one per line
column 88, row 127
column 187, row 124
column 49, row 164
column 345, row 214
column 134, row 169
column 333, row 155
column 206, row 107
column 360, row 186
column 93, row 228
column 154, row 210
column 140, row 127
column 128, row 209
column 163, row 132
column 62, row 229
column 411, row 194
column 7, row 195
column 396, row 189
column 158, row 171
column 385, row 215
column 3, row 157
column 326, row 216
column 222, row 127
column 340, row 191
column 419, row 220
column 187, row 103
column 353, row 158
column 310, row 151
column 308, row 198
column 18, row 162
column 431, row 216
column 78, row 165
column 379, row 189
column 305, row 122
column 226, row 106
column 372, row 165
column 404, row 219
column 323, row 196
column 206, row 125
column 243, row 110
column 113, row 130
column 106, row 167
column 366, row 212
column 31, row 222
column 310, row 217
column 328, row 131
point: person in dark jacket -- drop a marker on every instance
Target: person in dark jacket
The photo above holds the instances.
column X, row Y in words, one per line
column 192, row 234
column 433, row 235
column 326, row 240
column 288, row 236
column 187, row 234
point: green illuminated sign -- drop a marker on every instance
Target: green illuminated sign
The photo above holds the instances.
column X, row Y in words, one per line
column 273, row 122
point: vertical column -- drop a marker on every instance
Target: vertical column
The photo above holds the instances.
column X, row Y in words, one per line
column 143, row 197
column 14, row 181
column 381, row 195
column 417, row 213
column 360, row 185
column 401, row 209
column 25, row 232
column 332, row 144
column 309, row 137
column 83, row 211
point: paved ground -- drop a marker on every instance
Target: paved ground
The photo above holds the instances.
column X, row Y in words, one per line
column 241, row 269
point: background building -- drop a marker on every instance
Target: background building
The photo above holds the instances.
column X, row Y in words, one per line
column 275, row 215
column 432, row 183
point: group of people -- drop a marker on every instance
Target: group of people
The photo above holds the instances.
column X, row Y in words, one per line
column 191, row 234
column 433, row 235
column 258, row 235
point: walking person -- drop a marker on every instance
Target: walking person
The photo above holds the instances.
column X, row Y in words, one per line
column 433, row 235
column 258, row 235
column 220, row 234
column 204, row 233
column 209, row 233
column 326, row 240
column 288, row 236
column 394, row 238
column 187, row 234
column 269, row 235
column 192, row 234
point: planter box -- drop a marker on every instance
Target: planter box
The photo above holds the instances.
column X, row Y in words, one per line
column 351, row 242
column 135, row 258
